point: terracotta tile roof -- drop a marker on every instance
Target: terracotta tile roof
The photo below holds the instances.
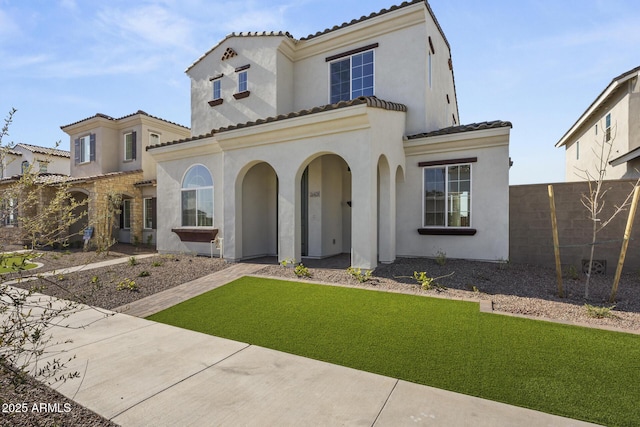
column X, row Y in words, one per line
column 463, row 128
column 55, row 178
column 45, row 150
column 327, row 30
column 370, row 101
column 104, row 116
column 12, row 152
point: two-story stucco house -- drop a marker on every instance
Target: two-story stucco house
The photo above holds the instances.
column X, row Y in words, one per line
column 612, row 120
column 108, row 157
column 345, row 141
column 22, row 157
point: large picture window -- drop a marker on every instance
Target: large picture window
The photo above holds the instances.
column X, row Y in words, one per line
column 352, row 77
column 197, row 197
column 447, row 196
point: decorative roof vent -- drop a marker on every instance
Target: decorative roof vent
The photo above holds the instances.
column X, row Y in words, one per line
column 229, row 53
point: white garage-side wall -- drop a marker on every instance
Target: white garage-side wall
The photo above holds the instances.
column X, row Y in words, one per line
column 489, row 196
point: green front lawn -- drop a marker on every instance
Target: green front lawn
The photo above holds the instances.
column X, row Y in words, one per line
column 581, row 373
column 10, row 263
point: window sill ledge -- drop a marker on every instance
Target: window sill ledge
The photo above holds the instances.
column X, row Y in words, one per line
column 216, row 102
column 447, row 231
column 205, row 235
column 241, row 95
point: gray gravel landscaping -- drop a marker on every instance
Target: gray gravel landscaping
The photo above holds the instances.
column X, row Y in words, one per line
column 517, row 289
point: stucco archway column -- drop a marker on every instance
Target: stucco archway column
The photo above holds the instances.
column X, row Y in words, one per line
column 387, row 213
column 288, row 215
column 232, row 249
column 364, row 219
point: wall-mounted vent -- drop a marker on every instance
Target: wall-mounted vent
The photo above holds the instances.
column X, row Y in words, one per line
column 229, row 53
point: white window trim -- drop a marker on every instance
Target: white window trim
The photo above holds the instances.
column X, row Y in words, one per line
column 218, row 83
column 350, row 58
column 144, row 213
column 124, row 219
column 446, row 197
column 85, row 149
column 125, row 147
column 240, row 74
column 182, row 189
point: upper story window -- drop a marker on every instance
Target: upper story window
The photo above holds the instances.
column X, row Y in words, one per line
column 43, row 164
column 85, row 149
column 217, row 89
column 129, row 146
column 607, row 128
column 447, row 196
column 197, row 197
column 25, row 166
column 243, row 82
column 351, row 77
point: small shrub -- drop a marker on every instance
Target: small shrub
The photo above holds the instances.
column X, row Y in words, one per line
column 359, row 275
column 95, row 279
column 572, row 272
column 60, row 277
column 149, row 239
column 473, row 288
column 503, row 264
column 127, row 284
column 301, row 271
column 287, row 262
column 156, row 263
column 144, row 273
column 441, row 258
column 599, row 312
column 427, row 282
column 133, row 261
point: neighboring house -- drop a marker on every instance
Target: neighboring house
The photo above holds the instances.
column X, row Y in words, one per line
column 614, row 117
column 45, row 161
column 24, row 157
column 345, row 141
column 108, row 158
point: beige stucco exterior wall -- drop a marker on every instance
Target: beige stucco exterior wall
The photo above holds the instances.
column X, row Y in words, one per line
column 173, row 163
column 110, row 143
column 260, row 52
column 624, row 107
column 400, row 74
column 489, row 196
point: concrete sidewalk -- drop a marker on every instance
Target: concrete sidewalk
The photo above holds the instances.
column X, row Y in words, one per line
column 140, row 373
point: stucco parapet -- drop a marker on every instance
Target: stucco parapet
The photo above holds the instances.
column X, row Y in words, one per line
column 458, row 141
column 369, row 101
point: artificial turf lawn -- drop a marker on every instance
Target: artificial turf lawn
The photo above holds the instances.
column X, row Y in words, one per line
column 575, row 372
column 12, row 263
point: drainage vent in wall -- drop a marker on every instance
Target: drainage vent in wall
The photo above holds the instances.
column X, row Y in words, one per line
column 599, row 266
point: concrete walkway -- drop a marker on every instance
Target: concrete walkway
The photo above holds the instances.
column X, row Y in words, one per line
column 139, row 373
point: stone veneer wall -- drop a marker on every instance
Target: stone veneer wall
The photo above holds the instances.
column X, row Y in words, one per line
column 98, row 201
column 530, row 235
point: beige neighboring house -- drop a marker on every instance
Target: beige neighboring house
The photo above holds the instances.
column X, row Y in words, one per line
column 109, row 157
column 48, row 163
column 345, row 141
column 33, row 157
column 613, row 117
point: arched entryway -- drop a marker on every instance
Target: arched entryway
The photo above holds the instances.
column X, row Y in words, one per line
column 325, row 207
column 259, row 198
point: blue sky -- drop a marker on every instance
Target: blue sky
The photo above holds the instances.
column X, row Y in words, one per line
column 536, row 63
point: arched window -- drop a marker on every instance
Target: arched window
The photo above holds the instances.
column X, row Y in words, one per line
column 197, row 197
